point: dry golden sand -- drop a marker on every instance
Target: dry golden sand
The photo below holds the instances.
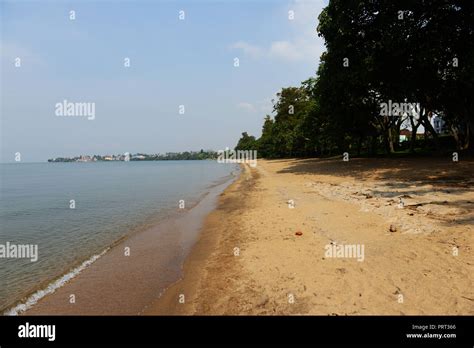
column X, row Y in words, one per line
column 336, row 202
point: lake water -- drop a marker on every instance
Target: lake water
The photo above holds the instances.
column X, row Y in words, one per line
column 112, row 200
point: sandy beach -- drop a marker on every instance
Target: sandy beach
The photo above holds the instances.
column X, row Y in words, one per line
column 264, row 249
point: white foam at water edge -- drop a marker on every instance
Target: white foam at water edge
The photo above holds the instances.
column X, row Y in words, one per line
column 33, row 299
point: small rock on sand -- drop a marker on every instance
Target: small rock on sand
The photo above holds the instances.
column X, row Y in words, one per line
column 263, row 301
column 393, row 228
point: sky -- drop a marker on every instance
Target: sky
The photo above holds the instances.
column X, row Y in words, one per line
column 173, row 62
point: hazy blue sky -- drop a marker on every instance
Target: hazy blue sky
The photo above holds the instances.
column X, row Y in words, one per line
column 173, row 62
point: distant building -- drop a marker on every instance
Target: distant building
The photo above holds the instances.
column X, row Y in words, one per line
column 405, row 134
column 438, row 124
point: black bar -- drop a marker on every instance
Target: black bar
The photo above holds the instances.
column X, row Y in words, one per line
column 288, row 330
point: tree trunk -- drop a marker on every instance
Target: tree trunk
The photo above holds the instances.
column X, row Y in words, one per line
column 414, row 129
column 429, row 128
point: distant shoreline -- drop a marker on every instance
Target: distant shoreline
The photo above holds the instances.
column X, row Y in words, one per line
column 127, row 157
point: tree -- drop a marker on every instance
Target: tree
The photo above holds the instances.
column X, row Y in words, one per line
column 379, row 51
column 246, row 142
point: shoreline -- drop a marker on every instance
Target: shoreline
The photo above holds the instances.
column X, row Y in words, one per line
column 253, row 255
column 52, row 297
column 210, row 241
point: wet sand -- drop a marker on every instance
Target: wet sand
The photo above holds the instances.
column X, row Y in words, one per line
column 122, row 283
column 414, row 217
